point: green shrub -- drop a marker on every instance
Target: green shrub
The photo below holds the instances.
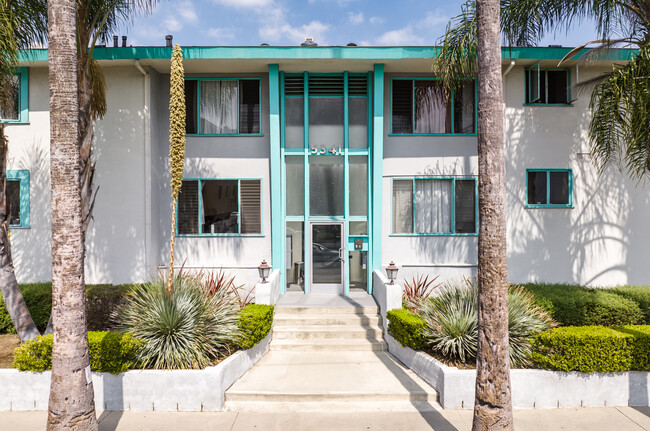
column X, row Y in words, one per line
column 186, row 328
column 587, row 349
column 109, row 352
column 452, row 322
column 640, row 347
column 407, row 328
column 102, row 302
column 573, row 305
column 254, row 323
column 638, row 294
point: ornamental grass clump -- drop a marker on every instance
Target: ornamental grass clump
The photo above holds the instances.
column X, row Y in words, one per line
column 452, row 322
column 417, row 290
column 186, row 327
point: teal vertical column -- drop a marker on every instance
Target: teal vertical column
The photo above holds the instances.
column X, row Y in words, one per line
column 277, row 243
column 377, row 164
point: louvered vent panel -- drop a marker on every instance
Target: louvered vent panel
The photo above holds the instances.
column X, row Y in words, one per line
column 326, row 86
column 358, row 85
column 251, row 197
column 294, row 85
column 188, row 208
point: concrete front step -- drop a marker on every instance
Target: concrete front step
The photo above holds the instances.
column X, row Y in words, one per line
column 332, row 406
column 293, row 320
column 321, row 397
column 326, row 310
column 337, row 344
column 307, row 332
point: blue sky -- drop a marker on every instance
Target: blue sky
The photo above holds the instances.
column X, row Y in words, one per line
column 288, row 22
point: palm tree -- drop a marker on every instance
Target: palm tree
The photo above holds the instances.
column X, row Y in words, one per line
column 20, row 22
column 619, row 130
column 492, row 407
column 71, row 404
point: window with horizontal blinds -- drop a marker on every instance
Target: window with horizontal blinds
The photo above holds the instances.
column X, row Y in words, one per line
column 213, row 207
column 249, row 106
column 294, row 85
column 188, row 208
column 357, row 85
column 433, row 206
column 325, row 85
column 250, row 206
column 402, row 106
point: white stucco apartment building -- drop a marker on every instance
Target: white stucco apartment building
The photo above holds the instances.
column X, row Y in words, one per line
column 352, row 154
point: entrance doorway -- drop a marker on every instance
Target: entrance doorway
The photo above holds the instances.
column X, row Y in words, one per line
column 327, row 258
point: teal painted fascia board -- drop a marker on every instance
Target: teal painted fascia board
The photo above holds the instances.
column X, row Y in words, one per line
column 321, row 52
column 377, row 164
column 277, row 228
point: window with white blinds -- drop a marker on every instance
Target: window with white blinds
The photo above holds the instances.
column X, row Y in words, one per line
column 434, row 206
column 220, row 207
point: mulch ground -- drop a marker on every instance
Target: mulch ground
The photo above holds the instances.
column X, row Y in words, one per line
column 8, row 343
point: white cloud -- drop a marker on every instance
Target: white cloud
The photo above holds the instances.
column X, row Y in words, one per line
column 376, row 20
column 295, row 35
column 220, row 35
column 187, row 12
column 422, row 32
column 243, row 4
column 172, row 24
column 355, row 18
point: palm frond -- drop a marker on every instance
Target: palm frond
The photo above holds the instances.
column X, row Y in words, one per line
column 98, row 93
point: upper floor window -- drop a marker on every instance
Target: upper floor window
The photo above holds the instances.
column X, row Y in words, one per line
column 547, row 86
column 421, row 107
column 222, row 106
column 212, row 207
column 549, row 188
column 18, row 198
column 434, row 206
column 17, row 109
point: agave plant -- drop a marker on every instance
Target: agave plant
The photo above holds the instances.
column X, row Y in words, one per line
column 452, row 322
column 184, row 328
column 417, row 290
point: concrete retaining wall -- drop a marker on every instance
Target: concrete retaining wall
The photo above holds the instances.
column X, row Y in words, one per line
column 139, row 390
column 530, row 388
column 269, row 291
column 388, row 296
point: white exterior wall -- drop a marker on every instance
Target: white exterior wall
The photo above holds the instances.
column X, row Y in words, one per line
column 214, row 157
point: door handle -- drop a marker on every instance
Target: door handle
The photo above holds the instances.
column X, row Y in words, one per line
column 341, row 255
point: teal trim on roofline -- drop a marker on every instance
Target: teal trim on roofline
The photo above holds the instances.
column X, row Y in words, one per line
column 314, row 53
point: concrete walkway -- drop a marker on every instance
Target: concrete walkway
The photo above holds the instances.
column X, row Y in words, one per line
column 587, row 419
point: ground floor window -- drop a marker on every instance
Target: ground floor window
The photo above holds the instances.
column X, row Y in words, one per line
column 549, row 188
column 434, row 206
column 217, row 207
column 18, row 198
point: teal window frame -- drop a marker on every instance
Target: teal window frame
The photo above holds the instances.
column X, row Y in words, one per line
column 453, row 102
column 548, row 189
column 530, row 71
column 198, row 107
column 23, row 98
column 21, row 176
column 246, row 235
column 453, row 206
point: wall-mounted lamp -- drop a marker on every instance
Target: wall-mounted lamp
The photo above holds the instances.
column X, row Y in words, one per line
column 391, row 272
column 264, row 269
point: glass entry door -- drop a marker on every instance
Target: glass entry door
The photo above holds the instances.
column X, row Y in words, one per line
column 327, row 257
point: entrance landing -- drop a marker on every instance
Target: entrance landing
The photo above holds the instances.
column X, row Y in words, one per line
column 354, row 299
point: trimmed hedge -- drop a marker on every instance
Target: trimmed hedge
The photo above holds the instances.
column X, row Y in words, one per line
column 101, row 301
column 638, row 294
column 573, row 305
column 591, row 349
column 110, row 352
column 254, row 323
column 407, row 328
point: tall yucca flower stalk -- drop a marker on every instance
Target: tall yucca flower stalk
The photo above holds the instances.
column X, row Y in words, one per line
column 176, row 143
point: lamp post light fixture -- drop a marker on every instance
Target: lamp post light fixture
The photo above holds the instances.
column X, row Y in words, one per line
column 391, row 272
column 264, row 269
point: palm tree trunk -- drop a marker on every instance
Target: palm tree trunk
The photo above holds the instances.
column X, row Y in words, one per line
column 71, row 404
column 14, row 301
column 493, row 407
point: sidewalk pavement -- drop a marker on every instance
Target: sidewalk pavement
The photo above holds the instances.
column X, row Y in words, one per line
column 591, row 419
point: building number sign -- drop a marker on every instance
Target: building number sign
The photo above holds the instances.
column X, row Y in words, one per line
column 325, row 151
